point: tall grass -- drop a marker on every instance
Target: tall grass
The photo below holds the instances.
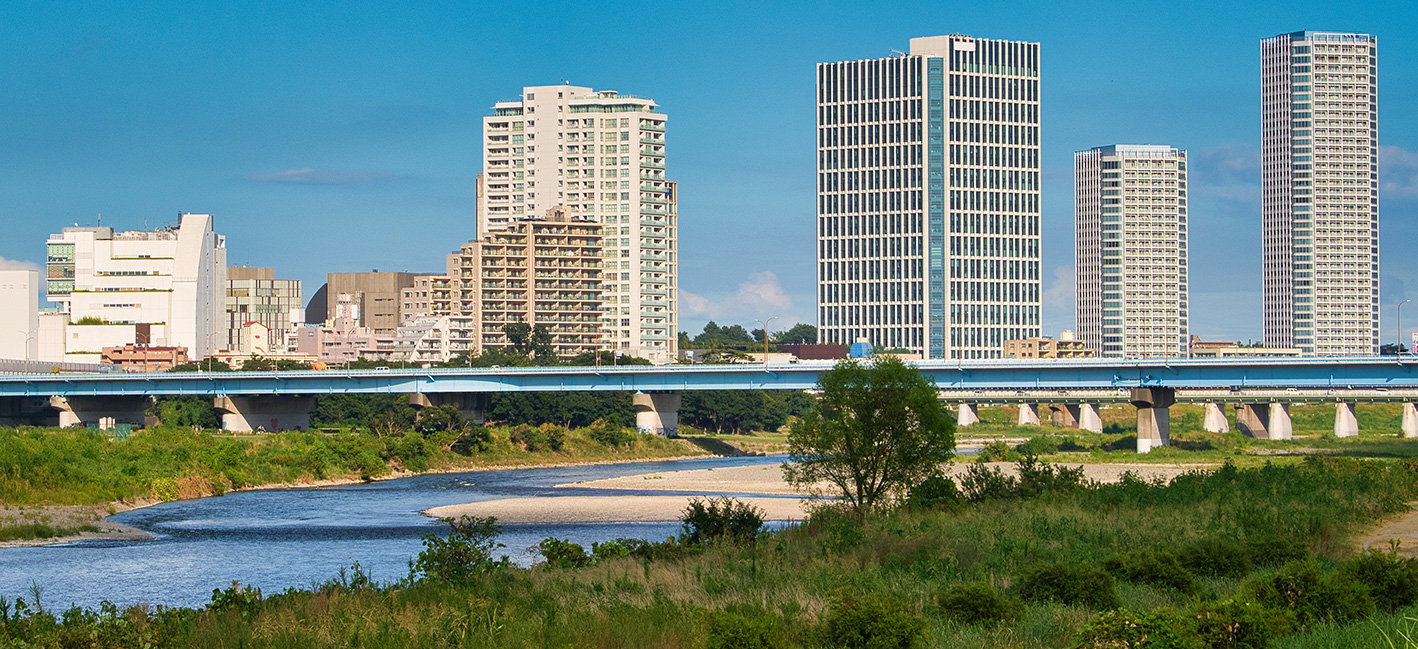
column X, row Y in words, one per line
column 794, row 576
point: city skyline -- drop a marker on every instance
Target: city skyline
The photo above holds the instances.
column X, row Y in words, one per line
column 264, row 144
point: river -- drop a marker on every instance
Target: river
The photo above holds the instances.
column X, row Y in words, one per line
column 276, row 539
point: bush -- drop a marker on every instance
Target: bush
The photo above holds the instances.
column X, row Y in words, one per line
column 874, row 623
column 1216, row 558
column 1153, row 568
column 982, row 483
column 472, row 439
column 609, row 434
column 1236, row 624
column 1038, row 478
column 1299, row 589
column 732, row 630
column 563, row 554
column 1074, row 584
column 1160, row 629
column 544, row 438
column 978, row 603
column 715, row 518
column 1392, row 580
column 841, row 529
column 996, row 451
column 1039, row 445
column 1274, row 551
column 467, row 550
column 935, row 492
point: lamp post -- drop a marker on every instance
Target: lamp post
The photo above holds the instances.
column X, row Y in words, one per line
column 210, row 336
column 765, row 339
column 1399, row 350
column 29, row 335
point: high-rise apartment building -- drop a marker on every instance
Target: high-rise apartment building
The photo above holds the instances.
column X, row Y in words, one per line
column 161, row 288
column 255, row 295
column 600, row 157
column 928, row 197
column 1320, row 208
column 1130, row 255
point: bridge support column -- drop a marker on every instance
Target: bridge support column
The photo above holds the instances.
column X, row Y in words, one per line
column 657, row 413
column 472, row 405
column 1252, row 420
column 1154, row 422
column 1410, row 420
column 1065, row 416
column 1215, row 419
column 27, row 411
column 1279, row 426
column 966, row 414
column 85, row 410
column 245, row 413
column 1345, row 423
column 1028, row 414
column 1089, row 419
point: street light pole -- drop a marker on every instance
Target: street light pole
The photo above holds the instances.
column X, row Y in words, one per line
column 1399, row 350
column 765, row 340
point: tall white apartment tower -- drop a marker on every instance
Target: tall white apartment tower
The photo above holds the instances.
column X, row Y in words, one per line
column 928, row 197
column 600, row 157
column 1320, row 209
column 1130, row 250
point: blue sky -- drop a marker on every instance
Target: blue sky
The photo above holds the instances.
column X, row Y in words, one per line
column 330, row 137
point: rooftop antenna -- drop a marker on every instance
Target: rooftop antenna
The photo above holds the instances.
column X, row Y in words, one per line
column 100, row 219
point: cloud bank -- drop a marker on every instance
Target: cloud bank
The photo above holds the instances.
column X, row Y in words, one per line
column 328, row 177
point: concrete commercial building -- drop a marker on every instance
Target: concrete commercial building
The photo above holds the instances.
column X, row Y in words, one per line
column 436, row 339
column 928, row 197
column 534, row 271
column 171, row 281
column 255, row 295
column 1320, row 207
column 19, row 315
column 1229, row 349
column 376, row 294
column 1065, row 346
column 1130, row 256
column 600, row 157
column 142, row 358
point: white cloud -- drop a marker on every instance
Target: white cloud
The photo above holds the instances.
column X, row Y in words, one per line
column 1398, row 171
column 18, row 264
column 309, row 176
column 759, row 297
column 1228, row 172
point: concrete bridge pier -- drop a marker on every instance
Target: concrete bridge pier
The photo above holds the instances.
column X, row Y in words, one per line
column 1410, row 420
column 1154, row 423
column 657, row 413
column 1345, row 423
column 1279, row 425
column 27, row 411
column 246, row 413
column 1089, row 419
column 1064, row 416
column 472, row 405
column 85, row 410
column 1028, row 414
column 1215, row 419
column 1252, row 419
column 966, row 414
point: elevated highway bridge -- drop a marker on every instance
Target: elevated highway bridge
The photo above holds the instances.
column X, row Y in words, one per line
column 1070, row 390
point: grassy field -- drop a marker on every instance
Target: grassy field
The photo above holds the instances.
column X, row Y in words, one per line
column 890, row 578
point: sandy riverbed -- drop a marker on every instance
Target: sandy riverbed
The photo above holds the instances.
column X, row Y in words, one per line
column 763, row 479
column 70, row 517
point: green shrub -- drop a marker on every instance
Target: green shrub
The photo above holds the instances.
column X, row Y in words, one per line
column 467, row 550
column 720, row 518
column 563, row 554
column 978, row 603
column 1074, row 584
column 609, row 434
column 935, row 492
column 996, row 451
column 1234, row 624
column 982, row 483
column 1039, row 445
column 1300, row 590
column 733, row 630
column 1161, row 629
column 838, row 529
column 872, row 623
column 1154, row 568
column 538, row 439
column 1271, row 551
column 1215, row 557
column 1392, row 581
column 1037, row 478
column 472, row 439
column 611, row 549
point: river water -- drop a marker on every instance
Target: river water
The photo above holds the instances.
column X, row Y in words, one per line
column 282, row 538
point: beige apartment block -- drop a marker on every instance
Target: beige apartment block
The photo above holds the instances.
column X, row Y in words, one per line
column 599, row 156
column 1320, row 192
column 1130, row 250
column 376, row 298
column 1065, row 346
column 255, row 295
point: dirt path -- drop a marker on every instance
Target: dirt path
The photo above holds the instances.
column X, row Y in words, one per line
column 1404, row 529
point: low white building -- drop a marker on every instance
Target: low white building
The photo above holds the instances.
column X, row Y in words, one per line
column 436, row 339
column 170, row 282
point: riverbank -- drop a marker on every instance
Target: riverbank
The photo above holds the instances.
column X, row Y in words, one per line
column 51, row 525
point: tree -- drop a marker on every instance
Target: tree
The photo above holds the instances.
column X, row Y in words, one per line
column 800, row 334
column 878, row 430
